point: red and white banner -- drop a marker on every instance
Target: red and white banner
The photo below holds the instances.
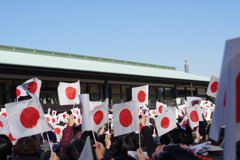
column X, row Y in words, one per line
column 140, row 94
column 32, row 87
column 54, row 113
column 78, row 119
column 192, row 101
column 26, row 118
column 125, row 118
column 20, row 92
column 4, row 126
column 184, row 122
column 165, row 122
column 99, row 116
column 194, row 116
column 58, row 131
column 212, row 87
column 76, row 111
column 207, row 113
column 173, row 110
column 68, row 93
column 159, row 107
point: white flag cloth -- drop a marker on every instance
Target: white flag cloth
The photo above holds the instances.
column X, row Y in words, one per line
column 84, row 98
column 192, row 101
column 232, row 129
column 159, row 107
column 94, row 104
column 194, row 149
column 87, row 151
column 140, row 94
column 170, row 109
column 184, row 122
column 134, row 153
column 75, row 111
column 4, row 114
column 194, row 116
column 20, row 92
column 212, row 87
column 32, row 86
column 68, row 93
column 49, row 111
column 26, row 118
column 232, row 48
column 165, row 122
column 99, row 116
column 125, row 118
column 4, row 126
column 53, row 120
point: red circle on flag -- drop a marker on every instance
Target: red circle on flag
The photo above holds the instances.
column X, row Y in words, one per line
column 4, row 114
column 195, row 102
column 153, row 112
column 48, row 119
column 32, row 87
column 54, row 113
column 29, row 117
column 141, row 96
column 97, row 117
column 194, row 116
column 206, row 115
column 79, row 120
column 77, row 112
column 1, row 124
column 160, row 109
column 70, row 93
column 214, row 87
column 64, row 116
column 11, row 137
column 165, row 122
column 53, row 120
column 125, row 118
column 57, row 131
column 18, row 92
column 184, row 124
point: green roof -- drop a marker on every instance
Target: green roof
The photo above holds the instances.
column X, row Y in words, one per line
column 50, row 59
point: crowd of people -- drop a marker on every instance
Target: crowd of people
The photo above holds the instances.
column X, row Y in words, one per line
column 105, row 146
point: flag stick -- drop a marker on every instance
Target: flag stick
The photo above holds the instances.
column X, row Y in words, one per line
column 49, row 142
column 93, row 134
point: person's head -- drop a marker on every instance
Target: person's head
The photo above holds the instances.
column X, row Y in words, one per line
column 52, row 136
column 5, row 147
column 26, row 146
column 128, row 142
column 69, row 152
column 181, row 136
column 165, row 139
column 78, row 146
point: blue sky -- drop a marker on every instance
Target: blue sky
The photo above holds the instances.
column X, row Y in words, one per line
column 163, row 32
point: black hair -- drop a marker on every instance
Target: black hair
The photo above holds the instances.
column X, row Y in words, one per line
column 85, row 134
column 78, row 145
column 181, row 136
column 165, row 139
column 5, row 147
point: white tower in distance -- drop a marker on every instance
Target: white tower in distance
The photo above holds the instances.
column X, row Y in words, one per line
column 186, row 66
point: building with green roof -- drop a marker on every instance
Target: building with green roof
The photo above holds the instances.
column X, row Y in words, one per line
column 100, row 77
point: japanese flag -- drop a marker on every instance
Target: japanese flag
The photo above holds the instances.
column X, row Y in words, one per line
column 184, row 122
column 12, row 139
column 94, row 104
column 232, row 129
column 125, row 118
column 32, row 86
column 4, row 126
column 20, row 92
column 192, row 101
column 134, row 153
column 153, row 113
column 84, row 98
column 58, row 131
column 53, row 120
column 232, row 48
column 99, row 116
column 26, row 118
column 194, row 116
column 68, row 93
column 165, row 122
column 78, row 119
column 173, row 110
column 159, row 107
column 207, row 113
column 54, row 113
column 213, row 86
column 3, row 113
column 140, row 94
column 75, row 111
column 48, row 118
